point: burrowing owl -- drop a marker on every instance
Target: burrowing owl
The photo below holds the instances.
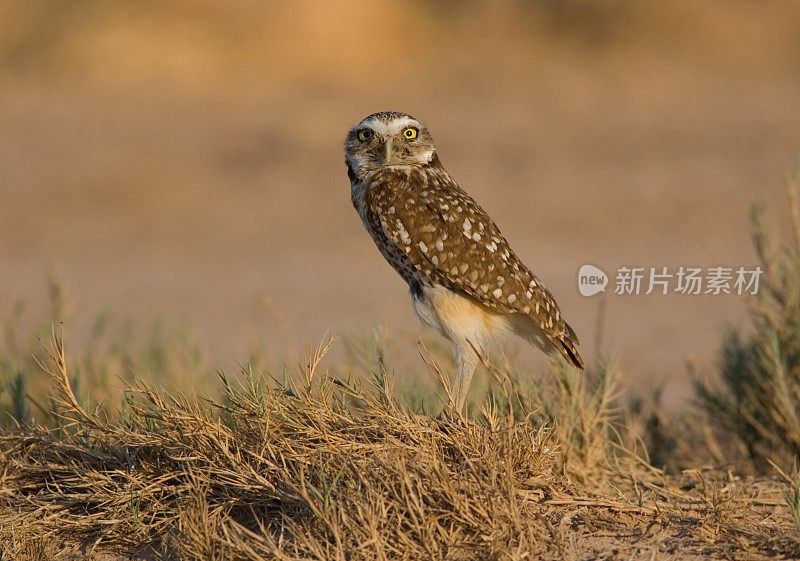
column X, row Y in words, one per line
column 465, row 280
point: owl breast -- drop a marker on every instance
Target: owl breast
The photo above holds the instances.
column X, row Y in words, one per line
column 361, row 196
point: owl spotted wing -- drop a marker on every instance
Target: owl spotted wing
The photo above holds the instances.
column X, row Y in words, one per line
column 453, row 242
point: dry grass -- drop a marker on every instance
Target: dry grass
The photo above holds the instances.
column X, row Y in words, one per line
column 322, row 468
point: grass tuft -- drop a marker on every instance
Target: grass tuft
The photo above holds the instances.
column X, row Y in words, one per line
column 756, row 404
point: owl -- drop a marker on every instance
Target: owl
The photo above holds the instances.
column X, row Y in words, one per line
column 464, row 278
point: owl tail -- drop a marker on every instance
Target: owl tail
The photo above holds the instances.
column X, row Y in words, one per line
column 567, row 343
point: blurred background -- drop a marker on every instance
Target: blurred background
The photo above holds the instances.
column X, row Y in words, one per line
column 184, row 159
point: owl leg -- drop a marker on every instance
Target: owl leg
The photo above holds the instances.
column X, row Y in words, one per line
column 466, row 360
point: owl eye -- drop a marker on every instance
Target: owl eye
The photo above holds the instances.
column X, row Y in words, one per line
column 364, row 135
column 410, row 133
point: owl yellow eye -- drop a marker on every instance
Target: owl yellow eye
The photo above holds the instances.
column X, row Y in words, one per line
column 364, row 135
column 410, row 133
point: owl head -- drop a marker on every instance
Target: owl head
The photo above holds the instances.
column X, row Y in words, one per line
column 388, row 139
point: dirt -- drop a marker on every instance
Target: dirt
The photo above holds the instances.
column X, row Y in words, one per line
column 589, row 532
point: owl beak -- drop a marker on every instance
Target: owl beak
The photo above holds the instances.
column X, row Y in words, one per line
column 388, row 150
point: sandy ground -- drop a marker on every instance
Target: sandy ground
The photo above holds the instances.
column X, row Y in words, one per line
column 197, row 202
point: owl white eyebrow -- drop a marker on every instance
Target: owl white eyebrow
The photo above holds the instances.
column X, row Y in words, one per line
column 391, row 128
